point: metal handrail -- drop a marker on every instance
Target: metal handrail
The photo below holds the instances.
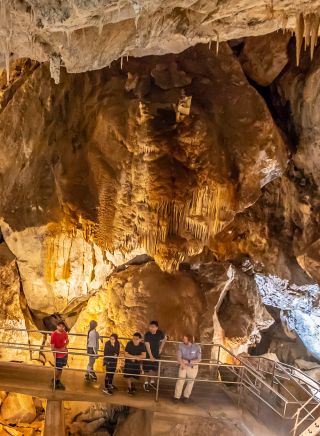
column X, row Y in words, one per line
column 297, row 414
column 239, row 367
column 162, row 361
column 283, row 366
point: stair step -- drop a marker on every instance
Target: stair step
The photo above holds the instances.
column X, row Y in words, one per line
column 313, row 429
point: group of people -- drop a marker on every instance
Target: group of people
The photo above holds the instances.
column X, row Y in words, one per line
column 141, row 354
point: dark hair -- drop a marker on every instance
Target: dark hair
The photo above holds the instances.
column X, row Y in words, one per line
column 189, row 336
column 115, row 336
column 92, row 326
column 138, row 335
column 154, row 323
column 61, row 323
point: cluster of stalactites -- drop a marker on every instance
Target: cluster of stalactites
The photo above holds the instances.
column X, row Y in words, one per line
column 307, row 27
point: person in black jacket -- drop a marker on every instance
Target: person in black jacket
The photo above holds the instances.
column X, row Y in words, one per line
column 110, row 360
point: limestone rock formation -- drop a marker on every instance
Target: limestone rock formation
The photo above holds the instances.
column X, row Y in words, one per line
column 234, row 314
column 11, row 307
column 18, row 408
column 128, row 181
column 264, row 57
column 175, row 159
column 85, row 35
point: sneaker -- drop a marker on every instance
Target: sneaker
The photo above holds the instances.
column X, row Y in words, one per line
column 130, row 392
column 107, row 391
column 59, row 385
column 186, row 400
column 146, row 387
column 153, row 385
column 113, row 387
column 175, row 400
column 87, row 377
column 93, row 375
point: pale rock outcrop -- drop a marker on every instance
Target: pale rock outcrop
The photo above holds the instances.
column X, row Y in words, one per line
column 18, row 408
column 234, row 312
column 11, row 307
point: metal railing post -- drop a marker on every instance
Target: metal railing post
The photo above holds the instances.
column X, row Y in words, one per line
column 240, row 385
column 54, row 370
column 273, row 372
column 158, row 382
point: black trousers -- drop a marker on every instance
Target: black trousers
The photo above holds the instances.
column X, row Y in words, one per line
column 111, row 366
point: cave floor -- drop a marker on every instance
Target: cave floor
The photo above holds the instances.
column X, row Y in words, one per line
column 208, row 400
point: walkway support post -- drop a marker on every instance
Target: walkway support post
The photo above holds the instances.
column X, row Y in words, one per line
column 158, row 382
column 54, row 420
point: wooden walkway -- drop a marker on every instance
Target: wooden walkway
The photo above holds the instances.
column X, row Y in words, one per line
column 209, row 400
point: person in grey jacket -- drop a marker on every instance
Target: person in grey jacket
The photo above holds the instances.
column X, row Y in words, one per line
column 189, row 355
column 92, row 350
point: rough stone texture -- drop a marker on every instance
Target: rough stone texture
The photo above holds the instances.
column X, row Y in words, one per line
column 234, row 314
column 216, row 302
column 175, row 157
column 128, row 179
column 199, row 427
column 135, row 296
column 86, row 35
column 138, row 421
column 18, row 408
column 264, row 57
column 11, row 306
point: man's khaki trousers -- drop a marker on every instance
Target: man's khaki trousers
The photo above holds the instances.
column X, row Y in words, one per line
column 187, row 372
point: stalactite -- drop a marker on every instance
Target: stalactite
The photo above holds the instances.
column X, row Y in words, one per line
column 284, row 21
column 217, row 42
column 307, row 29
column 68, row 36
column 315, row 21
column 299, row 35
column 100, row 26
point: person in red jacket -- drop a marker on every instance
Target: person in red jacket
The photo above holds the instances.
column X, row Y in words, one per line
column 59, row 342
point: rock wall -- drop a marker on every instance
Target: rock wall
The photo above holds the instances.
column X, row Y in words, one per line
column 197, row 160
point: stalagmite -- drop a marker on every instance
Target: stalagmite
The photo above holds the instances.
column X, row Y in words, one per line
column 121, row 62
column 210, row 41
column 299, row 35
column 315, row 21
column 307, row 28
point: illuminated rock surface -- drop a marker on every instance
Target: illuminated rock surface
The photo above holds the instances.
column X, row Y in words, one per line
column 178, row 184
